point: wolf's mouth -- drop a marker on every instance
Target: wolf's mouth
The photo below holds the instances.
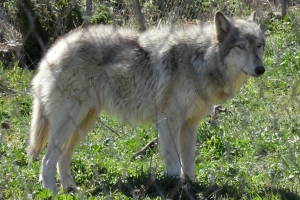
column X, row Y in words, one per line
column 245, row 72
column 254, row 75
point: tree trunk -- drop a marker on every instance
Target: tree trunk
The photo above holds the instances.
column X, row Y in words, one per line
column 89, row 8
column 138, row 12
column 283, row 8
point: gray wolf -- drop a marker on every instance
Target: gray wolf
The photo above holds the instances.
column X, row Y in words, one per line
column 171, row 77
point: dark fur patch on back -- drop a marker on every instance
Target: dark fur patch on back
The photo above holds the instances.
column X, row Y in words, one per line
column 141, row 57
column 200, row 53
column 112, row 54
column 108, row 56
column 171, row 59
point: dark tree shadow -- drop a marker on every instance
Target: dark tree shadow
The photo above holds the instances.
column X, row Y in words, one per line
column 147, row 185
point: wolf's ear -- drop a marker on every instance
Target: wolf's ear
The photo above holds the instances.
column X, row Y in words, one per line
column 252, row 17
column 222, row 25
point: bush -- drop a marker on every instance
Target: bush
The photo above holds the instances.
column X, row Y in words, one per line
column 101, row 16
column 40, row 25
column 35, row 36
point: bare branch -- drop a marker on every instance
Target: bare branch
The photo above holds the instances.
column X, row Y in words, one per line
column 150, row 145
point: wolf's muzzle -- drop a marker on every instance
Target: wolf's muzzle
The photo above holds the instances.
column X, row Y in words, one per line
column 260, row 70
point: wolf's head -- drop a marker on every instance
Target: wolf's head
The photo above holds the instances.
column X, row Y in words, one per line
column 241, row 44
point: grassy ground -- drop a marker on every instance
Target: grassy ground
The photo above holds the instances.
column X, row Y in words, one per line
column 252, row 153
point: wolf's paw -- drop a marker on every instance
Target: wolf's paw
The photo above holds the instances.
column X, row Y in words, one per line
column 69, row 185
column 71, row 189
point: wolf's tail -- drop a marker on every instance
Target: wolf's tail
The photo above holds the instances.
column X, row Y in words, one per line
column 39, row 131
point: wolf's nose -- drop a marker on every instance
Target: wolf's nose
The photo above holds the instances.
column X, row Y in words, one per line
column 260, row 70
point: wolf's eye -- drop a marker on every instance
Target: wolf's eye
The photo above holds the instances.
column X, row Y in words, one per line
column 241, row 46
column 259, row 45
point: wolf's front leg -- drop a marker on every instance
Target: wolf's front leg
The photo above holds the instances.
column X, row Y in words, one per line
column 169, row 145
column 188, row 137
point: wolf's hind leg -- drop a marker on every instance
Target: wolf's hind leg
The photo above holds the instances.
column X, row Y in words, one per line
column 65, row 159
column 57, row 137
column 62, row 123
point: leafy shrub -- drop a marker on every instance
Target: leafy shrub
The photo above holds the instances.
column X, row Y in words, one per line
column 34, row 33
column 101, row 16
column 40, row 23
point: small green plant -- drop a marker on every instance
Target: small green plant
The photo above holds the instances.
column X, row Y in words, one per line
column 100, row 16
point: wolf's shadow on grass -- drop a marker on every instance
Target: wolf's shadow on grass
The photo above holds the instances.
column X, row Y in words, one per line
column 147, row 185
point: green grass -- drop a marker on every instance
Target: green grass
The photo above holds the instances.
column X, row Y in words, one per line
column 252, row 153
